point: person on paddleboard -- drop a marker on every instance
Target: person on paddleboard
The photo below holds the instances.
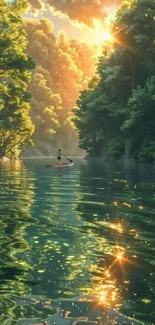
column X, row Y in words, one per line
column 59, row 157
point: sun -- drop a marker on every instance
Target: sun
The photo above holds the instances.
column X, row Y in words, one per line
column 105, row 37
column 102, row 33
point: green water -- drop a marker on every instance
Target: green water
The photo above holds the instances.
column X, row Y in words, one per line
column 77, row 246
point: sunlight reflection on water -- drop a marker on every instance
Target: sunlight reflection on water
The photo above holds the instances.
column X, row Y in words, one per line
column 76, row 248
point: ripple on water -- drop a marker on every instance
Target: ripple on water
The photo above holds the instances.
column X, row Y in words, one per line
column 76, row 247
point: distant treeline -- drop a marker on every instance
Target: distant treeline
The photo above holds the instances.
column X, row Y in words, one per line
column 64, row 68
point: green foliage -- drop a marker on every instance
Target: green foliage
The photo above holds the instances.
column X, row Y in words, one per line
column 16, row 127
column 64, row 68
column 45, row 107
column 139, row 127
column 115, row 116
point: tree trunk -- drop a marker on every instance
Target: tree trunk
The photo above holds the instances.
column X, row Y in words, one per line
column 133, row 74
column 94, row 144
column 2, row 153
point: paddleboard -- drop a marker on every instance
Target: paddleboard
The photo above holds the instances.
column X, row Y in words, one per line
column 60, row 165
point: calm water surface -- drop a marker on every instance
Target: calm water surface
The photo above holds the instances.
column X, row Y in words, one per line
column 77, row 246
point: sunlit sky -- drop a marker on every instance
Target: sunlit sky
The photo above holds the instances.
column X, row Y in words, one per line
column 96, row 35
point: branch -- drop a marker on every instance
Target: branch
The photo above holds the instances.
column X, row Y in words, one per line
column 14, row 145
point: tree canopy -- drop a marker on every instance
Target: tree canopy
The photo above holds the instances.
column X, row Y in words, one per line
column 64, row 67
column 115, row 116
column 16, row 127
column 114, row 113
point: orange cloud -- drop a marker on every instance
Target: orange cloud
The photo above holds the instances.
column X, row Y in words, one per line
column 36, row 4
column 82, row 11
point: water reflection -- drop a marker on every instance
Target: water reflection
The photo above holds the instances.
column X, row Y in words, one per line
column 76, row 249
column 124, row 228
column 16, row 196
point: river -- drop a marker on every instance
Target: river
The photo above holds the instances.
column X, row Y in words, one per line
column 77, row 246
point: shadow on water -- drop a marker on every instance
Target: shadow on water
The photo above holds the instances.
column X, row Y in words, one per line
column 77, row 245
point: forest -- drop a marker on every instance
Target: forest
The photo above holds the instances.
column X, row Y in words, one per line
column 115, row 116
column 41, row 76
column 57, row 91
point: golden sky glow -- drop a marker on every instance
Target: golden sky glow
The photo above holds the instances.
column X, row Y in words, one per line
column 101, row 32
column 97, row 34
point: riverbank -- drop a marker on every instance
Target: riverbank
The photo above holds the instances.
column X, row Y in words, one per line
column 45, row 150
column 123, row 160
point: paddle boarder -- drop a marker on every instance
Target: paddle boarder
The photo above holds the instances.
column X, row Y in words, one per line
column 59, row 157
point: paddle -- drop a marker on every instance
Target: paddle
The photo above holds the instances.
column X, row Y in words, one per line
column 68, row 159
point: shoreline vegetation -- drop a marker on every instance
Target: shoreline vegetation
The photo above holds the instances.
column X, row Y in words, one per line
column 16, row 127
column 115, row 116
column 40, row 78
column 51, row 97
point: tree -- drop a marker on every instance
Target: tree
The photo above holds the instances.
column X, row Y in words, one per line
column 63, row 69
column 134, row 30
column 16, row 127
column 139, row 128
column 45, row 107
column 113, row 109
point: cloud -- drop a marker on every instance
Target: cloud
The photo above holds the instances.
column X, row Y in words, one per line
column 82, row 11
column 36, row 4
